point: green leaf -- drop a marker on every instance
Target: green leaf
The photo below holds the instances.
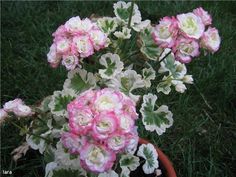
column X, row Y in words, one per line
column 170, row 64
column 148, row 46
column 61, row 102
column 157, row 120
column 78, row 84
column 129, row 161
column 78, row 81
column 111, row 66
column 48, row 155
column 148, row 152
column 149, row 156
column 124, row 13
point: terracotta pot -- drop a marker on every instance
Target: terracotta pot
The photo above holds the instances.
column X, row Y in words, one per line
column 170, row 171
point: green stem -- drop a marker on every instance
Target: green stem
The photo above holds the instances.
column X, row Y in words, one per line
column 165, row 56
column 203, row 97
column 27, row 132
column 131, row 14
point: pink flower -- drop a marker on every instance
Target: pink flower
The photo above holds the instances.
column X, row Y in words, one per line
column 98, row 39
column 22, row 111
column 60, row 32
column 53, row 58
column 116, row 142
column 107, row 100
column 206, row 18
column 211, row 40
column 190, row 25
column 80, row 120
column 185, row 49
column 128, row 107
column 73, row 25
column 10, row 106
column 83, row 45
column 3, row 115
column 63, row 45
column 85, row 99
column 104, row 125
column 132, row 141
column 165, row 32
column 126, row 123
column 96, row 158
column 72, row 142
column 70, row 61
column 85, row 26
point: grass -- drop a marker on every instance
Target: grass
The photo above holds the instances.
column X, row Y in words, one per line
column 201, row 142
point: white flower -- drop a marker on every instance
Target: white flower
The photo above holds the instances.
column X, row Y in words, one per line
column 180, row 87
column 3, row 115
column 22, row 110
column 158, row 172
column 73, row 24
column 211, row 40
column 99, row 39
column 11, row 105
column 124, row 34
column 107, row 24
column 191, row 25
column 188, row 79
column 85, row 25
column 83, row 45
column 148, row 75
column 70, row 62
column 53, row 58
column 113, row 65
column 62, row 45
column 149, row 153
column 110, row 173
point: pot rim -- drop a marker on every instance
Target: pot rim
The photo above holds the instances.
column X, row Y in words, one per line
column 163, row 158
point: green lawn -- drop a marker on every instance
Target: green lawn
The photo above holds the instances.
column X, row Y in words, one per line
column 202, row 141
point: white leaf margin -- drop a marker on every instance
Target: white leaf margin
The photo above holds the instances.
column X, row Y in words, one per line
column 101, row 23
column 124, row 34
column 146, row 167
column 110, row 173
column 147, row 80
column 114, row 59
column 163, row 108
column 86, row 76
column 115, row 83
column 136, row 18
column 135, row 162
column 52, row 103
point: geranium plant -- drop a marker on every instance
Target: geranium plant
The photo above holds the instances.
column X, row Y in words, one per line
column 117, row 66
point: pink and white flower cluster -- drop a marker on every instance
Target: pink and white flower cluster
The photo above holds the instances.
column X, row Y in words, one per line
column 101, row 124
column 18, row 107
column 185, row 34
column 77, row 38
